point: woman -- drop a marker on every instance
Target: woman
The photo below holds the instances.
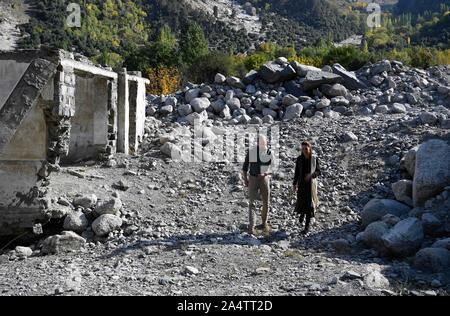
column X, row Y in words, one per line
column 305, row 184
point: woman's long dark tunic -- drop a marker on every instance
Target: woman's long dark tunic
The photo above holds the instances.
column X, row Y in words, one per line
column 304, row 194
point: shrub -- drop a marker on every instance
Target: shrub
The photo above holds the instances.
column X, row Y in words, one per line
column 350, row 57
column 205, row 68
column 163, row 80
column 112, row 60
column 443, row 57
column 255, row 61
column 421, row 57
column 307, row 60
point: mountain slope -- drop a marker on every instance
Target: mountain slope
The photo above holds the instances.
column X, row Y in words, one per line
column 228, row 24
column 12, row 14
column 419, row 6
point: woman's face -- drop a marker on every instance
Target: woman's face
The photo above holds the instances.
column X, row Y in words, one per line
column 306, row 150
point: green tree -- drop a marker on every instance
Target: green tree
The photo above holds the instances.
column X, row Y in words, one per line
column 163, row 52
column 193, row 44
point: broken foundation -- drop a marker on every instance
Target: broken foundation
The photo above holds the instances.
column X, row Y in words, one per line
column 59, row 108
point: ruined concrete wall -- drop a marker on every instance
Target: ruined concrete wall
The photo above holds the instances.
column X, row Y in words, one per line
column 12, row 68
column 30, row 140
column 10, row 73
column 23, row 148
column 20, row 203
column 89, row 125
column 55, row 107
column 20, row 165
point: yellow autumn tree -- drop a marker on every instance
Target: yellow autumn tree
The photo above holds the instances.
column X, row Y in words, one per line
column 163, row 80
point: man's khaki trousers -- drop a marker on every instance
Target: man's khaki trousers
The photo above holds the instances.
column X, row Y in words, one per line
column 259, row 185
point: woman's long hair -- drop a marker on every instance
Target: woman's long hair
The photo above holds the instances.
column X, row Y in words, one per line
column 309, row 145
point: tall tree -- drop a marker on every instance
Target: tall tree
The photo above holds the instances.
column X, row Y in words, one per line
column 193, row 44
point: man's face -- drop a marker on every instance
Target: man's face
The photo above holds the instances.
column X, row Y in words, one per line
column 306, row 150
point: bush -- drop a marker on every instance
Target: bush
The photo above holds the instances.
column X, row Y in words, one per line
column 205, row 68
column 400, row 55
column 311, row 61
column 112, row 60
column 163, row 80
column 443, row 57
column 255, row 61
column 421, row 57
column 350, row 57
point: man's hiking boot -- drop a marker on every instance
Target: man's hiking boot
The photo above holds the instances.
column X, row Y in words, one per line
column 252, row 231
column 266, row 229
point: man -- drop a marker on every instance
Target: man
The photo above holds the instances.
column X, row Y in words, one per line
column 305, row 184
column 257, row 163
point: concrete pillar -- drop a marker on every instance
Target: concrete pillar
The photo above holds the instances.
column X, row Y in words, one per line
column 112, row 116
column 123, row 122
column 133, row 101
column 101, row 113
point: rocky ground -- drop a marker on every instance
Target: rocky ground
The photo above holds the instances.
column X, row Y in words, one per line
column 183, row 226
column 160, row 227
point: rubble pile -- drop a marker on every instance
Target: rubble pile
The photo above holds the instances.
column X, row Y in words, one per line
column 286, row 91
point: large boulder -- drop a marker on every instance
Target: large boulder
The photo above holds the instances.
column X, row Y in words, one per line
column 235, row 82
column 234, row 104
column 375, row 279
column 405, row 238
column 218, row 105
column 335, row 90
column 273, row 72
column 250, row 77
column 302, row 70
column 171, row 150
column 293, row 111
column 220, row 79
column 349, row 78
column 323, row 103
column 23, row 252
column 371, row 236
column 376, row 209
column 442, row 243
column 166, row 109
column 403, row 191
column 200, row 104
column 408, row 162
column 191, row 95
column 314, row 79
column 185, row 109
column 380, row 67
column 66, row 242
column 76, row 222
column 85, row 201
column 106, row 224
column 432, row 225
column 432, row 172
column 171, row 101
column 197, row 118
column 433, row 260
column 269, row 112
column 294, row 88
column 289, row 100
column 113, row 206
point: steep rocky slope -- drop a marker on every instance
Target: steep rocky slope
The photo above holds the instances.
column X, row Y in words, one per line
column 12, row 14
